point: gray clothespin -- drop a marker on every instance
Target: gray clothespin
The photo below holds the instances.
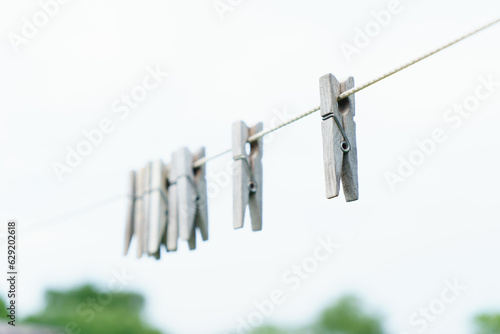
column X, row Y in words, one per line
column 200, row 181
column 146, row 191
column 339, row 138
column 129, row 228
column 138, row 211
column 158, row 206
column 188, row 199
column 247, row 175
column 172, row 234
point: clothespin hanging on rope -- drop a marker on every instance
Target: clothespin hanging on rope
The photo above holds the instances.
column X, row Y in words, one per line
column 146, row 191
column 339, row 138
column 129, row 229
column 147, row 211
column 187, row 191
column 139, row 211
column 247, row 175
column 157, row 207
column 200, row 180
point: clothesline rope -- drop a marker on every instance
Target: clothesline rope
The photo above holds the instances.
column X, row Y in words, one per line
column 351, row 91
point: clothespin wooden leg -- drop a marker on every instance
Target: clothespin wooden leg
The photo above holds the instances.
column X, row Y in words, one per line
column 350, row 161
column 200, row 187
column 145, row 207
column 186, row 194
column 138, row 218
column 201, row 220
column 129, row 230
column 158, row 207
column 172, row 223
column 241, row 177
column 192, row 240
column 339, row 138
column 255, row 198
column 247, row 176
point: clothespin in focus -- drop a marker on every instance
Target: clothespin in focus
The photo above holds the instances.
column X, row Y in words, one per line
column 247, row 175
column 339, row 138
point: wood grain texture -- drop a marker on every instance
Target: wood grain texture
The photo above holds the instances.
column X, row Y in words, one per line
column 242, row 196
column 350, row 161
column 339, row 165
column 329, row 89
column 332, row 137
column 129, row 227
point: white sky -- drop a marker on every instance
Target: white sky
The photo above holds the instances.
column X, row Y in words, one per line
column 397, row 247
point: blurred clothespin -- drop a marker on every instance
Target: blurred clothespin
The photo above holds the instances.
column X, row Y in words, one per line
column 129, row 229
column 339, row 138
column 187, row 198
column 157, row 207
column 146, row 191
column 200, row 180
column 139, row 211
column 247, row 175
column 147, row 209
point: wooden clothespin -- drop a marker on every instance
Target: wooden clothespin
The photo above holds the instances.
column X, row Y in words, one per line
column 146, row 191
column 188, row 208
column 247, row 175
column 339, row 138
column 158, row 206
column 138, row 211
column 201, row 218
column 172, row 221
column 129, row 228
column 147, row 209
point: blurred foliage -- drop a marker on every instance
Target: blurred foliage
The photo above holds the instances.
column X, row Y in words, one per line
column 3, row 306
column 488, row 324
column 348, row 317
column 344, row 317
column 88, row 310
column 268, row 329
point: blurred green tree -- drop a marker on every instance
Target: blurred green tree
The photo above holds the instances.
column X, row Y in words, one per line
column 268, row 329
column 344, row 317
column 87, row 310
column 487, row 324
column 3, row 307
column 348, row 317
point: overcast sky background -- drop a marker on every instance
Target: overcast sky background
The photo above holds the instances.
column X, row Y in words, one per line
column 263, row 60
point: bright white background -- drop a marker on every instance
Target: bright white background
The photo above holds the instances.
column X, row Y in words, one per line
column 397, row 246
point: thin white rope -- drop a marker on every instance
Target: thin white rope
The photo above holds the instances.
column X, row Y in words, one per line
column 202, row 161
column 388, row 74
column 351, row 91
